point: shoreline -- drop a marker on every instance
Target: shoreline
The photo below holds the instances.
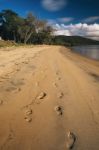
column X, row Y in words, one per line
column 75, row 56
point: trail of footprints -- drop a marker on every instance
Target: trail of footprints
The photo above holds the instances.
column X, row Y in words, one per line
column 28, row 112
column 70, row 136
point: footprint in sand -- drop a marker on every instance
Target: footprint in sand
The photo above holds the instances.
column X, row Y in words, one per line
column 19, row 89
column 28, row 112
column 17, row 82
column 57, row 72
column 14, row 85
column 58, row 110
column 40, row 97
column 28, row 119
column 71, row 139
column 55, row 85
column 8, row 139
column 58, row 78
column 25, row 62
column 28, row 115
column 1, row 102
column 11, row 88
column 18, row 69
column 16, row 63
column 60, row 95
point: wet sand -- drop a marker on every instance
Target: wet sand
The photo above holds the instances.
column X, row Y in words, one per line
column 49, row 99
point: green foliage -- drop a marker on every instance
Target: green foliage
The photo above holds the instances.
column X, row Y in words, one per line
column 73, row 41
column 9, row 20
column 31, row 30
column 22, row 30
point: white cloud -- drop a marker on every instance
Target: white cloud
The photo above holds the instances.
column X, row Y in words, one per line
column 91, row 19
column 54, row 5
column 63, row 32
column 80, row 29
column 65, row 19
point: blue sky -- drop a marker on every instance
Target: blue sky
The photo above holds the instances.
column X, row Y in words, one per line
column 83, row 14
column 77, row 9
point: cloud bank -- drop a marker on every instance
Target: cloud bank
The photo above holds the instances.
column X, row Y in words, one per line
column 80, row 29
column 91, row 19
column 53, row 5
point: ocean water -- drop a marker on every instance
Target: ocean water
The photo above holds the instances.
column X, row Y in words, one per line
column 91, row 51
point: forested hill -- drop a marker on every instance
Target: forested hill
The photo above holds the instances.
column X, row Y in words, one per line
column 73, row 41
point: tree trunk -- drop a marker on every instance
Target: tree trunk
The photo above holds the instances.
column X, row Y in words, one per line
column 28, row 37
column 14, row 36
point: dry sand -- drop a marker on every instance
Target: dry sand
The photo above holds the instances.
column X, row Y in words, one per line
column 49, row 99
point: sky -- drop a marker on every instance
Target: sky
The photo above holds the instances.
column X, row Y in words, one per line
column 68, row 17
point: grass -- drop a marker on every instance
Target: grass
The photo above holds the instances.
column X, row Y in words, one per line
column 7, row 43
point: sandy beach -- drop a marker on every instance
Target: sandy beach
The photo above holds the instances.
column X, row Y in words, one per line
column 49, row 99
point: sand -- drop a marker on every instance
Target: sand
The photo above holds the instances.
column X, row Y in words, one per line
column 49, row 99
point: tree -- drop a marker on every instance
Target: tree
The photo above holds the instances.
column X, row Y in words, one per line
column 8, row 21
column 24, row 30
column 27, row 28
